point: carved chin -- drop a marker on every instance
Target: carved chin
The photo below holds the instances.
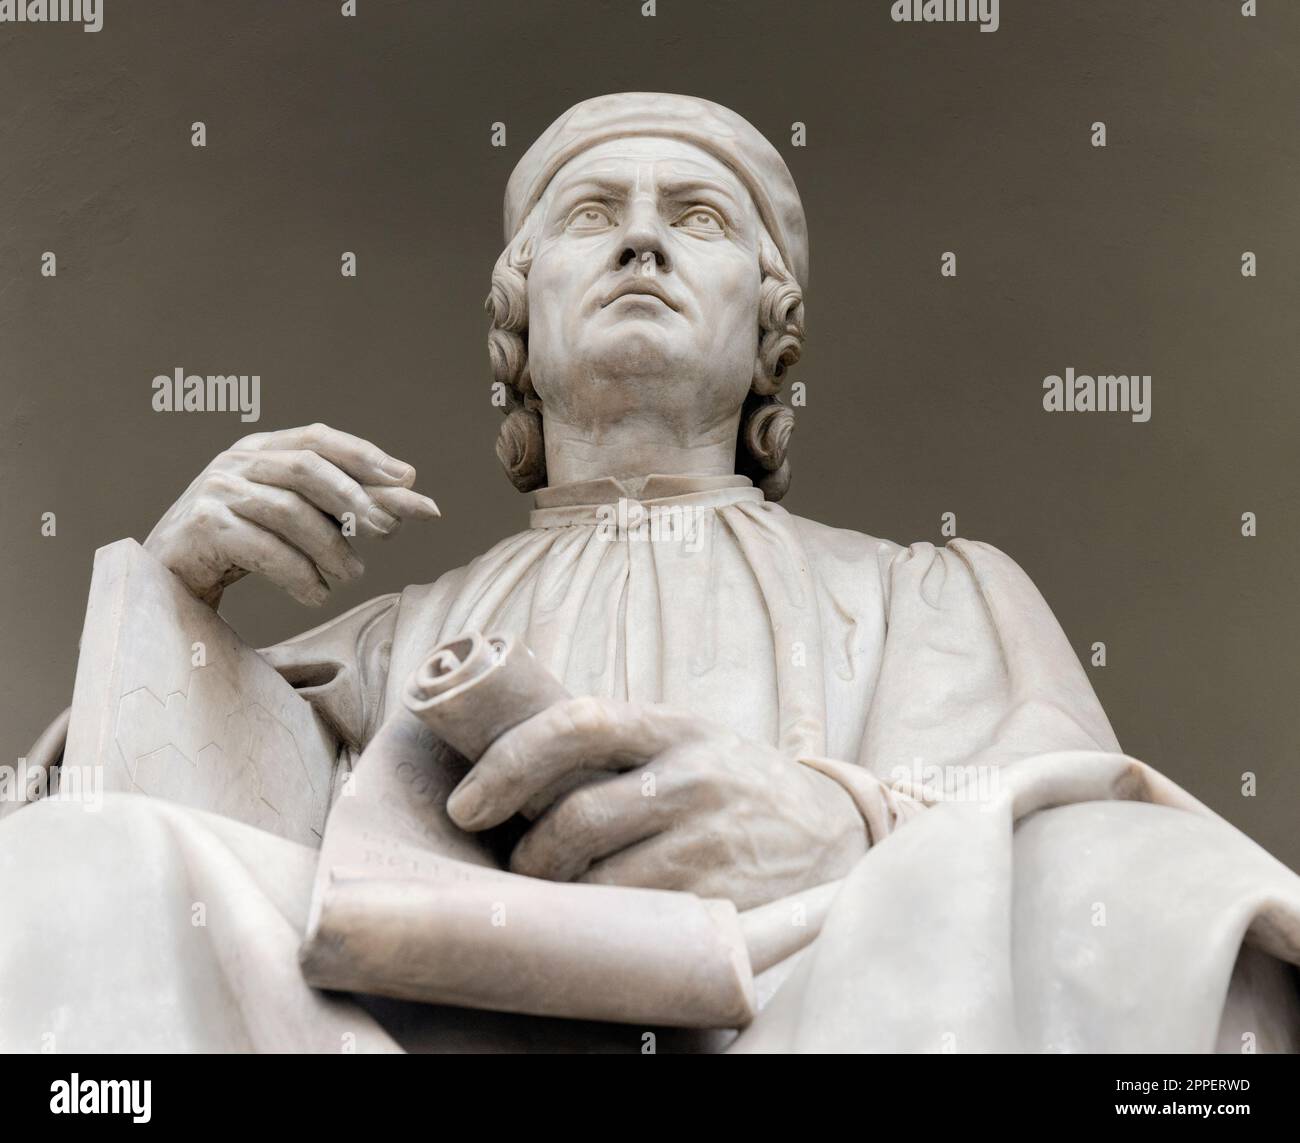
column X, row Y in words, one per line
column 637, row 346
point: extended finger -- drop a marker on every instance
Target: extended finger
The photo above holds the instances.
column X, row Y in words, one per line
column 253, row 548
column 365, row 462
column 581, row 734
column 403, row 501
column 325, row 484
column 590, row 823
column 296, row 520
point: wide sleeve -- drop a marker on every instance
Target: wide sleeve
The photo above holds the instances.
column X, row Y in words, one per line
column 975, row 670
column 341, row 667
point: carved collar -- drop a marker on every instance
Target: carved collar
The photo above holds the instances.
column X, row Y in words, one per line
column 609, row 490
column 577, row 503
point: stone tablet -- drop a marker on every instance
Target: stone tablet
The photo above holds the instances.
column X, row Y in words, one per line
column 170, row 702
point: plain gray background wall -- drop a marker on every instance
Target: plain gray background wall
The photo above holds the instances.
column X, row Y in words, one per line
column 372, row 134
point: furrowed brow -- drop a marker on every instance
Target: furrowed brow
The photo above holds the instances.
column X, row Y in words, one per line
column 685, row 187
column 591, row 186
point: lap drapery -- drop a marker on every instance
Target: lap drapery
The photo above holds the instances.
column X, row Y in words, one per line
column 1093, row 925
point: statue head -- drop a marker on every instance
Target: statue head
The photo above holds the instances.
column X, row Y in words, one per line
column 655, row 252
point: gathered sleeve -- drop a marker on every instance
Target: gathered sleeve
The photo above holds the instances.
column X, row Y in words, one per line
column 341, row 667
column 976, row 669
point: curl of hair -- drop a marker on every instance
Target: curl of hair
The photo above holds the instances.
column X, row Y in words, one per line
column 780, row 318
column 762, row 444
column 521, row 448
column 507, row 305
column 763, row 437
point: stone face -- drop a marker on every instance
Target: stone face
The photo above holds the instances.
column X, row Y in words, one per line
column 170, row 702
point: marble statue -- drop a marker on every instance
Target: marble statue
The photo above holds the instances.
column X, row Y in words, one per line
column 669, row 767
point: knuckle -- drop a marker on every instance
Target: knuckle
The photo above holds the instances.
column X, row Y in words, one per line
column 206, row 513
column 587, row 715
column 236, row 459
column 219, row 482
column 580, row 818
column 498, row 768
column 273, row 503
column 304, row 464
column 353, row 495
column 511, row 763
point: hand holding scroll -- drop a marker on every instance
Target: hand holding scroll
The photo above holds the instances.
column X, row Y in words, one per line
column 691, row 805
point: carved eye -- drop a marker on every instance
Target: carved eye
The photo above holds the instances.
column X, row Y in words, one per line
column 590, row 216
column 701, row 219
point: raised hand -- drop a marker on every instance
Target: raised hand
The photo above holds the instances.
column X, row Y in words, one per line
column 284, row 504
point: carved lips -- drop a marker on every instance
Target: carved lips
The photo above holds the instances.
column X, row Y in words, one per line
column 640, row 286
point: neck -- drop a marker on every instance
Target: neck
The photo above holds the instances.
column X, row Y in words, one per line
column 633, row 448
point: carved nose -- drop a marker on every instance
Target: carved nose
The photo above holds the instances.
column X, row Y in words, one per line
column 644, row 242
column 647, row 254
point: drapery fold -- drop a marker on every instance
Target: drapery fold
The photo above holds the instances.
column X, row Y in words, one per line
column 1055, row 896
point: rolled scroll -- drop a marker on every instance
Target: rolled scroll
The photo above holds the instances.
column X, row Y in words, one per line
column 472, row 690
column 408, row 905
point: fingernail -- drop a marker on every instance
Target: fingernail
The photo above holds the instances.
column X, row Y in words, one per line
column 464, row 802
column 353, row 566
column 432, row 506
column 384, row 521
column 398, row 470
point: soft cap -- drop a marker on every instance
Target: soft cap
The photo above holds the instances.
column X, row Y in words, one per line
column 714, row 128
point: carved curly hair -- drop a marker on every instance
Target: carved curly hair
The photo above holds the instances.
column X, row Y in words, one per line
column 765, row 423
